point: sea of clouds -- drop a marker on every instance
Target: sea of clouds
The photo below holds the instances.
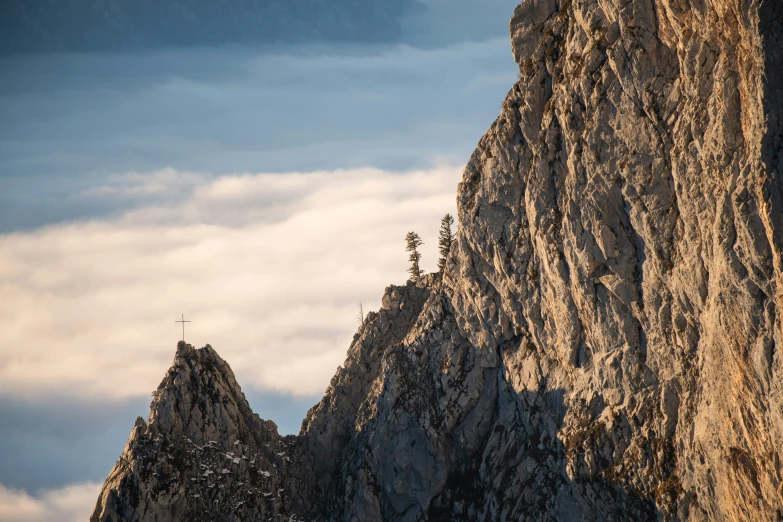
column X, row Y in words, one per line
column 264, row 193
column 271, row 268
column 66, row 504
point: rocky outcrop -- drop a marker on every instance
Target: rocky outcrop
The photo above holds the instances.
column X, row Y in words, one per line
column 604, row 343
column 205, row 456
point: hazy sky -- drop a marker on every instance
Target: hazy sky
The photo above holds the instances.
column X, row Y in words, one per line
column 262, row 192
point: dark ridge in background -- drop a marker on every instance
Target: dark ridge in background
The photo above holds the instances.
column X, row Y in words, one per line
column 36, row 26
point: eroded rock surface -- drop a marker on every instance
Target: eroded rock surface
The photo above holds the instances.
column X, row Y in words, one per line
column 205, row 456
column 605, row 342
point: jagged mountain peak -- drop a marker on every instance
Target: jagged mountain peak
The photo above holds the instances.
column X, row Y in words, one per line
column 200, row 398
column 204, row 455
column 604, row 342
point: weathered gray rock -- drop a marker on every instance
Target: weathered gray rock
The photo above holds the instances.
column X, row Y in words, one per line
column 605, row 341
column 205, row 456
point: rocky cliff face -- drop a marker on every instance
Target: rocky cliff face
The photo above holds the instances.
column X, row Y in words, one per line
column 605, row 343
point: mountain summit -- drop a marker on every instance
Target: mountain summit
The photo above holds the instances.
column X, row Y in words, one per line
column 204, row 455
column 605, row 340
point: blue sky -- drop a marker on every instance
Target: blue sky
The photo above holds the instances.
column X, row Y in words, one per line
column 262, row 192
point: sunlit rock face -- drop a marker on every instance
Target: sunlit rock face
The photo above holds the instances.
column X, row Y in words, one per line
column 605, row 343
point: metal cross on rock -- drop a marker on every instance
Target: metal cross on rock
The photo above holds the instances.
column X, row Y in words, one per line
column 183, row 321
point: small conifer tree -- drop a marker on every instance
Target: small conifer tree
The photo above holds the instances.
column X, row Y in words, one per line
column 413, row 242
column 445, row 240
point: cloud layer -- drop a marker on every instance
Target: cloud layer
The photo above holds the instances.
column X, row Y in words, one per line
column 269, row 267
column 67, row 122
column 63, row 505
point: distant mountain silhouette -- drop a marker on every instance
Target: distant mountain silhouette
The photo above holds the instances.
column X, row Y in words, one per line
column 30, row 26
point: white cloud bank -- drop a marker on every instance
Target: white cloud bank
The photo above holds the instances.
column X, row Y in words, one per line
column 269, row 267
column 69, row 504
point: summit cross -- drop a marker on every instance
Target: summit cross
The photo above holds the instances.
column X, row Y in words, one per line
column 183, row 321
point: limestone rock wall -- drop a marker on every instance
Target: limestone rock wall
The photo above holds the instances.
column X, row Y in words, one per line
column 611, row 311
column 606, row 340
column 623, row 217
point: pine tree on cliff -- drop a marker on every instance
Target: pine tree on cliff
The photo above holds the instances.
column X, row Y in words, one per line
column 413, row 243
column 445, row 240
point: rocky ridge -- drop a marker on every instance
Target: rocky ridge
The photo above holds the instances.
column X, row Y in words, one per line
column 604, row 343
